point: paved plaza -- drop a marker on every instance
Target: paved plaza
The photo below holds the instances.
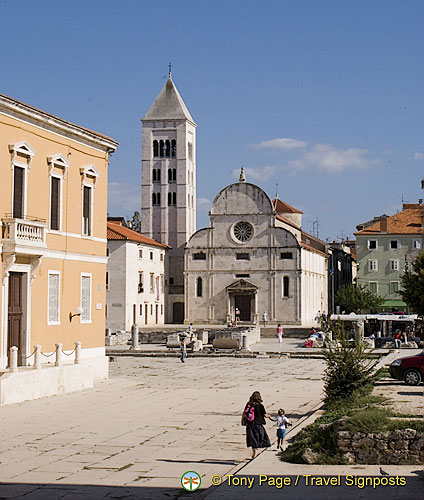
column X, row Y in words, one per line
column 134, row 435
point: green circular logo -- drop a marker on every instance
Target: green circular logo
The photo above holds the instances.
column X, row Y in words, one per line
column 191, row 480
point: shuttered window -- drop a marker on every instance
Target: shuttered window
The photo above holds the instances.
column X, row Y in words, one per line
column 86, row 299
column 53, row 299
column 18, row 192
column 55, row 204
column 86, row 211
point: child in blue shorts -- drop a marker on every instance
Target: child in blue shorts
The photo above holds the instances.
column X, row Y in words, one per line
column 282, row 423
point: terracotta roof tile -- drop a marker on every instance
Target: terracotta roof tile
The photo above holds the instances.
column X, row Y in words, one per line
column 284, row 208
column 406, row 222
column 117, row 232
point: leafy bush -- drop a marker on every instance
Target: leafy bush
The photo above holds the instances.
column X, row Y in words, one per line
column 348, row 366
column 369, row 420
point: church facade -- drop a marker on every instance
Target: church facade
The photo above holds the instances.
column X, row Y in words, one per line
column 168, row 191
column 254, row 257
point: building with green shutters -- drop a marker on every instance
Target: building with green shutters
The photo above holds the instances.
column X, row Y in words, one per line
column 384, row 246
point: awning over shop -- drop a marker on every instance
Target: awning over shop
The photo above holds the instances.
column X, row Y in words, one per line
column 393, row 303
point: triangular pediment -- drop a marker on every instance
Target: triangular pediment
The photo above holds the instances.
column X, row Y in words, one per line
column 59, row 160
column 168, row 105
column 22, row 148
column 241, row 285
column 89, row 171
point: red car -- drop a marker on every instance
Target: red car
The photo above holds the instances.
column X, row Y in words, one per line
column 409, row 369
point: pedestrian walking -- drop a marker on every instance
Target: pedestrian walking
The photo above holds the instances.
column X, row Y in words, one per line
column 265, row 317
column 183, row 350
column 280, row 333
column 282, row 423
column 253, row 418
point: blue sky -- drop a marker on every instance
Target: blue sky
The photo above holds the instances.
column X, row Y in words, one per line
column 322, row 97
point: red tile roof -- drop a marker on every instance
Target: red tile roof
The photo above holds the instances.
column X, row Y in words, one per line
column 406, row 222
column 117, row 232
column 284, row 208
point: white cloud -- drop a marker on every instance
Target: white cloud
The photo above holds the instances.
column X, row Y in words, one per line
column 419, row 156
column 256, row 174
column 326, row 157
column 281, row 143
column 203, row 204
column 123, row 199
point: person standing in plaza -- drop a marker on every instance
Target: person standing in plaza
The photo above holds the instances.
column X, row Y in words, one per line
column 254, row 419
column 183, row 350
column 237, row 315
column 265, row 317
column 280, row 333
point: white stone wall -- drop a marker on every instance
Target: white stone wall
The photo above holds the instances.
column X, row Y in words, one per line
column 314, row 285
column 123, row 267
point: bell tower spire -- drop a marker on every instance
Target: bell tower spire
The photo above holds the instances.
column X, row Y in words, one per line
column 168, row 186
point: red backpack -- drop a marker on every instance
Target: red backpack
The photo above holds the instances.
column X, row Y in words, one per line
column 248, row 414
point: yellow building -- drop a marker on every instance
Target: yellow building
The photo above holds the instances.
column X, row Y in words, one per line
column 53, row 209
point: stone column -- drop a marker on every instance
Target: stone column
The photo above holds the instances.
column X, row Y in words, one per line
column 78, row 352
column 134, row 337
column 37, row 357
column 59, row 354
column 13, row 359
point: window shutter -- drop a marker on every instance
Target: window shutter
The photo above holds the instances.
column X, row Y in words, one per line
column 53, row 298
column 54, row 202
column 85, row 298
column 18, row 193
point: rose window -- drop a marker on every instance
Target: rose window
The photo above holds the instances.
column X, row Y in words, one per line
column 243, row 231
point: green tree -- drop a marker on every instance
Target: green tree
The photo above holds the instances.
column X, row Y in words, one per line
column 135, row 222
column 354, row 298
column 348, row 367
column 412, row 283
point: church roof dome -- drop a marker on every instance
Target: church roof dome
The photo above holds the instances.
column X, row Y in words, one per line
column 168, row 105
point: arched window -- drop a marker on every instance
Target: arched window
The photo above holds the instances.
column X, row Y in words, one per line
column 155, row 149
column 173, row 148
column 174, row 198
column 169, row 175
column 162, row 149
column 154, row 199
column 167, row 149
column 157, row 198
column 174, row 174
column 158, row 174
column 154, row 175
column 286, row 290
column 199, row 286
column 169, row 199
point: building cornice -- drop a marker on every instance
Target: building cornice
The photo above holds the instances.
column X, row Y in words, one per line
column 34, row 116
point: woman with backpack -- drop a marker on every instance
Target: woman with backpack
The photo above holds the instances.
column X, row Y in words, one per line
column 253, row 418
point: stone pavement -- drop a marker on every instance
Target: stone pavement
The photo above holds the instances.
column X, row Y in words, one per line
column 136, row 434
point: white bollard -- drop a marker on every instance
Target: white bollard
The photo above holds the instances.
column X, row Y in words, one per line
column 13, row 359
column 59, row 354
column 77, row 352
column 37, row 357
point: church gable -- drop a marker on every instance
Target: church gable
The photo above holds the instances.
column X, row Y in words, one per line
column 242, row 198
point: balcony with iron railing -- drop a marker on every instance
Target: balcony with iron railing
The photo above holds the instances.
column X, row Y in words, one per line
column 28, row 232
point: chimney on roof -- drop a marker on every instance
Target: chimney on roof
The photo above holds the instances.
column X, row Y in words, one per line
column 383, row 224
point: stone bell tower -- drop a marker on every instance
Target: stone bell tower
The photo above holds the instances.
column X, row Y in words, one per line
column 168, row 187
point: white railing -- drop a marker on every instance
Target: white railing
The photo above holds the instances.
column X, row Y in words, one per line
column 24, row 232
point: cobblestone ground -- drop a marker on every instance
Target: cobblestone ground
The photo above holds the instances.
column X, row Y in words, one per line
column 153, row 420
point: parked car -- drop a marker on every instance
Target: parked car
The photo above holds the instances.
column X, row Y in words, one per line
column 409, row 369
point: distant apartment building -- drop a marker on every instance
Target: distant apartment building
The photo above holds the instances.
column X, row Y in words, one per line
column 385, row 246
column 53, row 197
column 135, row 279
